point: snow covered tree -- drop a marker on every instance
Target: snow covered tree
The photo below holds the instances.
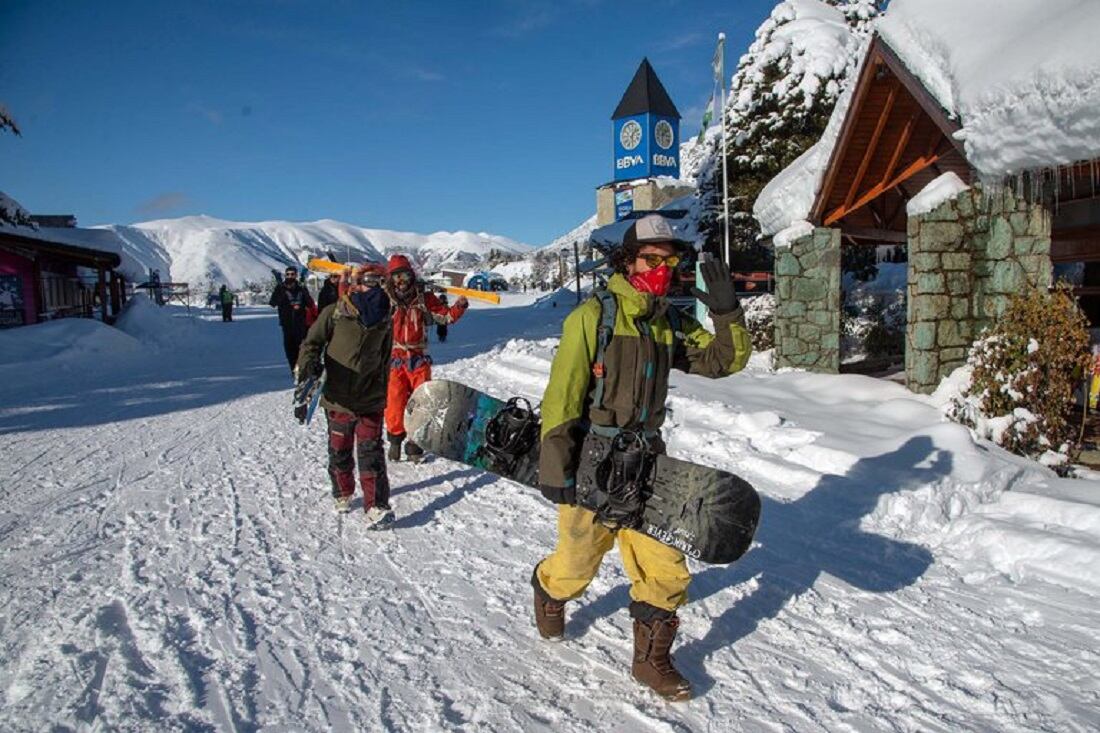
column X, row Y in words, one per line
column 11, row 213
column 780, row 99
column 6, row 122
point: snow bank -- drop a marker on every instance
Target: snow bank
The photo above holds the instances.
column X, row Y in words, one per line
column 1022, row 77
column 68, row 340
column 940, row 189
column 167, row 327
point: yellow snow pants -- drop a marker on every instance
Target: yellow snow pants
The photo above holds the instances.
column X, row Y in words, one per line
column 658, row 573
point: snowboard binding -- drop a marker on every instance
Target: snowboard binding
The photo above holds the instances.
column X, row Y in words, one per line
column 509, row 435
column 621, row 481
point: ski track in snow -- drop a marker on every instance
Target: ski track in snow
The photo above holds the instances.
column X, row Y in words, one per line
column 172, row 561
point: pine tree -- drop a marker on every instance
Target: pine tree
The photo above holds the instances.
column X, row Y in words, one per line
column 780, row 99
column 6, row 122
column 11, row 213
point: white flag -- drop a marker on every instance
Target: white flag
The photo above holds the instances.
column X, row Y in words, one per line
column 718, row 62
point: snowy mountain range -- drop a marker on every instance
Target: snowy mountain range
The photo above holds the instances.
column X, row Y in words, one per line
column 202, row 249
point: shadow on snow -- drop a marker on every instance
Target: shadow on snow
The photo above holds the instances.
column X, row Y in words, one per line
column 799, row 541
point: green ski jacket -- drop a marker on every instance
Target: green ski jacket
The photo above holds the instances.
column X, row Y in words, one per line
column 356, row 358
column 636, row 366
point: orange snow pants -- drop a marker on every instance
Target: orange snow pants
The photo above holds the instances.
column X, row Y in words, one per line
column 406, row 374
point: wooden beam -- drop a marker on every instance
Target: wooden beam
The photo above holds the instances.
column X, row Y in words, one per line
column 874, row 209
column 908, row 172
column 948, row 125
column 871, row 62
column 101, row 289
column 872, row 145
column 903, row 141
column 902, row 200
column 878, row 235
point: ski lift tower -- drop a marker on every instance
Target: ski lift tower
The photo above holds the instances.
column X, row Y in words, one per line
column 646, row 151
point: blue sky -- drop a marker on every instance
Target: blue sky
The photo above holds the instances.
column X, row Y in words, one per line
column 418, row 116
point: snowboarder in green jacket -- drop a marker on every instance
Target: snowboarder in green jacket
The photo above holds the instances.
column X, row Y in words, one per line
column 627, row 391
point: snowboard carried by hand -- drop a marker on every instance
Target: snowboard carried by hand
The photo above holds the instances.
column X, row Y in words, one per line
column 307, row 395
column 707, row 514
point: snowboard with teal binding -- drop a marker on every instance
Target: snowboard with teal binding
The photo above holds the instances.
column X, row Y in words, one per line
column 708, row 514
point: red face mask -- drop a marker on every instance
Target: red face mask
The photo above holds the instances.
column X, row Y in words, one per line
column 655, row 281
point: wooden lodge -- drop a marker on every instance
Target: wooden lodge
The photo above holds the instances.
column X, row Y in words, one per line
column 42, row 278
column 966, row 256
column 896, row 139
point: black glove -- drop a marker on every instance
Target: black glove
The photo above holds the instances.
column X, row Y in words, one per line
column 559, row 494
column 720, row 297
column 309, row 370
column 300, row 414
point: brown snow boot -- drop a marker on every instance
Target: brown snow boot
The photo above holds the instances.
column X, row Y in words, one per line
column 652, row 663
column 549, row 613
column 394, row 454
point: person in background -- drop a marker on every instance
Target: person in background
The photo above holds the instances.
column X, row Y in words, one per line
column 440, row 326
column 410, row 365
column 226, row 297
column 294, row 303
column 329, row 291
column 353, row 336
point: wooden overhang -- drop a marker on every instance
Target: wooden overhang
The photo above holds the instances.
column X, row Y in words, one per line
column 81, row 256
column 895, row 139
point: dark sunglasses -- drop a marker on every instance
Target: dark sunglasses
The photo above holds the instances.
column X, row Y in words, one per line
column 655, row 260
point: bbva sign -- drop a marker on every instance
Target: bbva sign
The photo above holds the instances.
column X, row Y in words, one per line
column 629, row 161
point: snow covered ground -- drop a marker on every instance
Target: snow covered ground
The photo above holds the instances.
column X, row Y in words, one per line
column 171, row 560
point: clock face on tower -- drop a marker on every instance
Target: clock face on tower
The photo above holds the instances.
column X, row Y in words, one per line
column 630, row 135
column 662, row 133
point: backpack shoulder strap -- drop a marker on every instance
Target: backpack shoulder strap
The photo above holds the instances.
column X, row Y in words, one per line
column 677, row 325
column 609, row 309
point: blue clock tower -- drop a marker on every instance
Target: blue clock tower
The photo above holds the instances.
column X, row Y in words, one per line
column 646, row 127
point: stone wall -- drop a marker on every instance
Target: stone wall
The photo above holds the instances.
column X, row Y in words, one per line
column 966, row 258
column 807, row 308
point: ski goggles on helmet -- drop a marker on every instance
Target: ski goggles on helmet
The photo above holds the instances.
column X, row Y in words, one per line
column 656, row 260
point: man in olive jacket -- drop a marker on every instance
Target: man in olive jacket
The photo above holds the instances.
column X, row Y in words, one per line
column 355, row 337
column 635, row 371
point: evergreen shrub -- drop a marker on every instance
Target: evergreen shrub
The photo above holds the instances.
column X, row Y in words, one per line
column 760, row 320
column 1024, row 370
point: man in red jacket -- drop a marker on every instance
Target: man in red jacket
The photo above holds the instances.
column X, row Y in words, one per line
column 410, row 366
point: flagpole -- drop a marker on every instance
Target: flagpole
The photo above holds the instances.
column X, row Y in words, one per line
column 722, row 121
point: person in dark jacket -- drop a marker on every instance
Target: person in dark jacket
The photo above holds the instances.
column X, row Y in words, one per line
column 354, row 336
column 329, row 292
column 441, row 327
column 226, row 298
column 293, row 302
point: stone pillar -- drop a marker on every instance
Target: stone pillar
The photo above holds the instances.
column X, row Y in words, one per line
column 966, row 258
column 807, row 305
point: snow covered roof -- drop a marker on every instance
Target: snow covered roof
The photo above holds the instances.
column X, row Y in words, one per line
column 1020, row 78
